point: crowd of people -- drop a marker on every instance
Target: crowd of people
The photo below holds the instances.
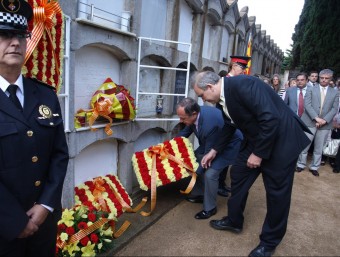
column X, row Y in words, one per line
column 316, row 101
column 276, row 122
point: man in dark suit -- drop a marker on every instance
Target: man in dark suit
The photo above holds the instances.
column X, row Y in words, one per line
column 273, row 139
column 33, row 149
column 206, row 123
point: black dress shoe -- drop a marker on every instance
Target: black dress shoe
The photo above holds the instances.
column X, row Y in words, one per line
column 205, row 214
column 314, row 172
column 224, row 224
column 222, row 191
column 336, row 171
column 261, row 251
column 332, row 164
column 298, row 169
column 195, row 199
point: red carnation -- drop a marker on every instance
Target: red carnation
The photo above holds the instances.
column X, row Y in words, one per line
column 82, row 225
column 81, row 191
column 94, row 238
column 91, row 216
column 61, row 227
column 83, row 198
column 70, row 231
column 84, row 241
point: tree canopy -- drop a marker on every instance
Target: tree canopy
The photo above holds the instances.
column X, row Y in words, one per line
column 316, row 40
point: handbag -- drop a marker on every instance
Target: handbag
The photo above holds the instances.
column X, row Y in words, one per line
column 331, row 147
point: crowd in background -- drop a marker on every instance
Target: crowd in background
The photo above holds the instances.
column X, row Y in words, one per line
column 329, row 129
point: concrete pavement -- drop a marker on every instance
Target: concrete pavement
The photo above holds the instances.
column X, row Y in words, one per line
column 172, row 230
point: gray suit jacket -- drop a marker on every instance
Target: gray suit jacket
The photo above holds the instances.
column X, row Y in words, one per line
column 313, row 105
column 291, row 98
column 311, row 84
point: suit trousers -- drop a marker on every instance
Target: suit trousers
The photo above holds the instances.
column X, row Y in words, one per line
column 42, row 243
column 320, row 137
column 207, row 184
column 223, row 177
column 278, row 182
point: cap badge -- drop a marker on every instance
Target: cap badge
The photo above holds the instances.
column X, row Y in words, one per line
column 45, row 111
column 10, row 5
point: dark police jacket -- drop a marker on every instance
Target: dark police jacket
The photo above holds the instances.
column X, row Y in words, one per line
column 33, row 156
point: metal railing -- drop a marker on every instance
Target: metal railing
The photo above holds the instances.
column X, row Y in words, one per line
column 95, row 14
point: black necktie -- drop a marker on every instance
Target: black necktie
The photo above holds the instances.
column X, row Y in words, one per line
column 12, row 89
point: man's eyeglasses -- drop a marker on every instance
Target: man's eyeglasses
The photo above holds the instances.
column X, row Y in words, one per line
column 12, row 34
column 327, row 78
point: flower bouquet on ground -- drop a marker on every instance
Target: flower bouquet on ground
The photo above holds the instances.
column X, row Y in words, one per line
column 84, row 231
column 165, row 163
column 104, row 193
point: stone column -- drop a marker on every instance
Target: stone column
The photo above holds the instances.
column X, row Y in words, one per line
column 125, row 171
column 230, row 46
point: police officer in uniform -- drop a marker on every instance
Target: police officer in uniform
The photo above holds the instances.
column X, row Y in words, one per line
column 33, row 148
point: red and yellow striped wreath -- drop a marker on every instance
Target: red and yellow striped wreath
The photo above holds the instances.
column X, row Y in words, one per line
column 167, row 169
column 104, row 193
column 45, row 59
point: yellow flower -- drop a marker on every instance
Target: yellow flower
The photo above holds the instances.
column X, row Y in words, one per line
column 112, row 216
column 99, row 246
column 106, row 232
column 72, row 248
column 88, row 250
column 63, row 236
column 67, row 218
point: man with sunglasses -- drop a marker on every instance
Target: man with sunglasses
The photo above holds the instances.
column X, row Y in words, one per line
column 33, row 148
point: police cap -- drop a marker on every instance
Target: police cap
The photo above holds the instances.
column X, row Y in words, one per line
column 14, row 15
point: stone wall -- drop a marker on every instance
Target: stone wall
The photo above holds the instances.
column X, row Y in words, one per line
column 100, row 49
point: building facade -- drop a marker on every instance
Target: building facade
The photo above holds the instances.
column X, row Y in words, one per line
column 150, row 47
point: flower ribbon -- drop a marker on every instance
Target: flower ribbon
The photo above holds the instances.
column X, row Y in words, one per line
column 162, row 151
column 101, row 108
column 43, row 21
column 98, row 192
column 84, row 232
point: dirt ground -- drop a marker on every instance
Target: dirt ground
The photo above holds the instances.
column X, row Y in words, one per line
column 313, row 225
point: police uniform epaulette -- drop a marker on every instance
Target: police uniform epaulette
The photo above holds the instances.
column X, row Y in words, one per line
column 42, row 83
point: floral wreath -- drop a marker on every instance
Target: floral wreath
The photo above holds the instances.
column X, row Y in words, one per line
column 165, row 163
column 83, row 231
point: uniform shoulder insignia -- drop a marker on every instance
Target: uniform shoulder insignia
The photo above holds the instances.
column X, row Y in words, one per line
column 42, row 83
